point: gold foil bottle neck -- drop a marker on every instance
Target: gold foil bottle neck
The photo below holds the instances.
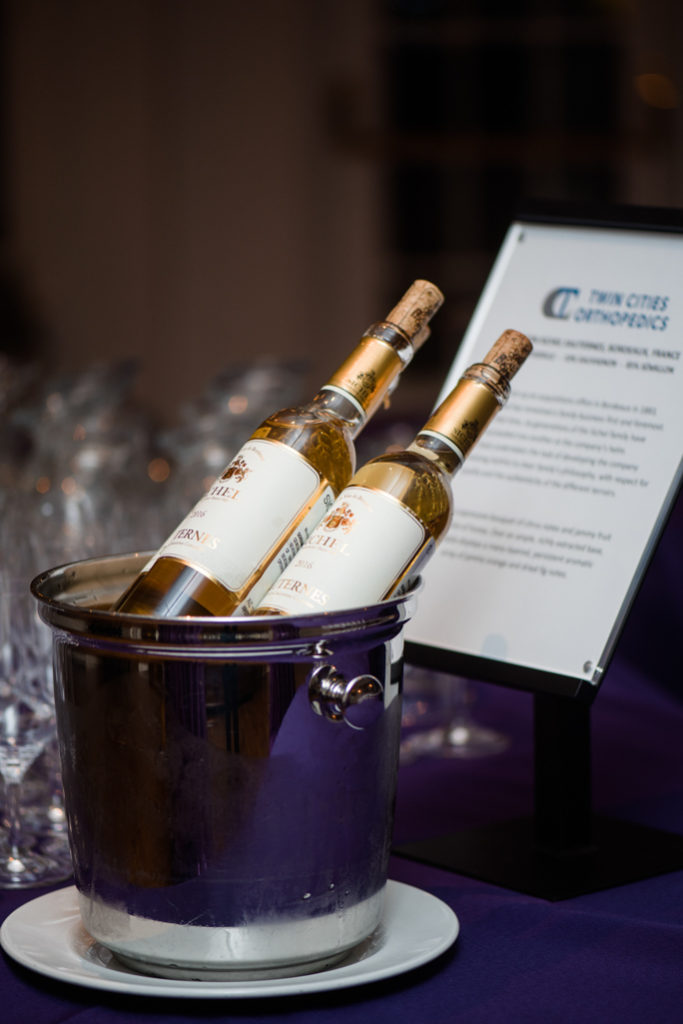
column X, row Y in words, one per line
column 464, row 414
column 481, row 391
column 370, row 372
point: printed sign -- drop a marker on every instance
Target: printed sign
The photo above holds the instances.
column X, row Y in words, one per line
column 557, row 508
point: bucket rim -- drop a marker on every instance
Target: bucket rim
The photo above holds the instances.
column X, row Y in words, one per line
column 63, row 593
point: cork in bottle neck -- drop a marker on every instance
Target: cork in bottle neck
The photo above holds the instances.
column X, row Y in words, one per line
column 412, row 313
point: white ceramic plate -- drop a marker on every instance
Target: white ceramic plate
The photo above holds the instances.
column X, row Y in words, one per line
column 46, row 935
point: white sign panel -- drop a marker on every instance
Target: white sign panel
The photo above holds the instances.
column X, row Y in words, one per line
column 555, row 509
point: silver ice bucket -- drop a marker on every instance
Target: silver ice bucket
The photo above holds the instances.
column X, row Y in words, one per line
column 229, row 782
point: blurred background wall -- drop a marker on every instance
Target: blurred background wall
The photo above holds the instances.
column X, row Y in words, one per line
column 205, row 182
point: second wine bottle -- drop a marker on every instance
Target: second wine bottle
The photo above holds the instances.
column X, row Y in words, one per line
column 397, row 508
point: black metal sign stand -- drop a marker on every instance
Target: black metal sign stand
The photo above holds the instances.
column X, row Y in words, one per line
column 564, row 850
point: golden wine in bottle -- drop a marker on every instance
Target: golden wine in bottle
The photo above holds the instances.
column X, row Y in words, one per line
column 243, row 533
column 388, row 521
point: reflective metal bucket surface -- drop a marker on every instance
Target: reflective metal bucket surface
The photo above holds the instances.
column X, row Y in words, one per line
column 229, row 782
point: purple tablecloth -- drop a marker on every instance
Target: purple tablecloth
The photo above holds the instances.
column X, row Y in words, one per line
column 613, row 955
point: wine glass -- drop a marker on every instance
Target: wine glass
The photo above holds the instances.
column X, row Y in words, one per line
column 27, row 722
column 43, row 812
column 439, row 720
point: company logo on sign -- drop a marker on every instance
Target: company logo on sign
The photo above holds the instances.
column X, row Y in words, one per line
column 597, row 306
column 558, row 303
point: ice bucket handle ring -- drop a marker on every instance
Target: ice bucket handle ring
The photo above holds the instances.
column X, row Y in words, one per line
column 357, row 702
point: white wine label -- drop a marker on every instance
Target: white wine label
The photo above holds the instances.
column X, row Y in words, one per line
column 286, row 553
column 353, row 558
column 240, row 504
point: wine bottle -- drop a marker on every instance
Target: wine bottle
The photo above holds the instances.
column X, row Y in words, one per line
column 388, row 521
column 241, row 535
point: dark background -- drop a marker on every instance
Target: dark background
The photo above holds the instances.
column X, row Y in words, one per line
column 196, row 183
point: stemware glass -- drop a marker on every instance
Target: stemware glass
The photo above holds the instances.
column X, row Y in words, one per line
column 27, row 722
column 439, row 719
